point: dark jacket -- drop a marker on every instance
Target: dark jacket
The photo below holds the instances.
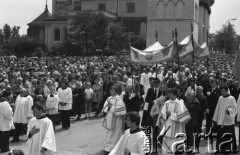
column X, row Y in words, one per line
column 151, row 97
column 132, row 104
column 212, row 99
column 203, row 105
column 193, row 108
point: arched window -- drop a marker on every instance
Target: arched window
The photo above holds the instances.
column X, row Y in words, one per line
column 160, row 10
column 169, row 10
column 179, row 10
column 57, row 35
column 143, row 29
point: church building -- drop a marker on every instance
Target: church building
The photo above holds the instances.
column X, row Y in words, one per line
column 143, row 17
column 164, row 16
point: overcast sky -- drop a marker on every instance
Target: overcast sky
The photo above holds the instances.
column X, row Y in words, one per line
column 22, row 12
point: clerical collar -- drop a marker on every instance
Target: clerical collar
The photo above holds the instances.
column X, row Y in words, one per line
column 135, row 130
column 226, row 96
column 41, row 117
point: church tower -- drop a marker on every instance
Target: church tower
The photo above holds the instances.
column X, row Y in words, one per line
column 166, row 15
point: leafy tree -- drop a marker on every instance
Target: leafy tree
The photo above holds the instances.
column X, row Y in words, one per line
column 6, row 32
column 226, row 39
column 93, row 31
column 89, row 30
column 118, row 39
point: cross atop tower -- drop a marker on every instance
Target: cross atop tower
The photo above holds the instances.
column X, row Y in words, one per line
column 46, row 7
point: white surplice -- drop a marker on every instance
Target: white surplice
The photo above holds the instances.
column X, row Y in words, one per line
column 6, row 119
column 134, row 143
column 44, row 138
column 114, row 121
column 220, row 116
column 179, row 116
column 23, row 109
column 65, row 96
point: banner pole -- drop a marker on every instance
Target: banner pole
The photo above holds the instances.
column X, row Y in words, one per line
column 173, row 58
column 192, row 55
column 178, row 58
column 131, row 66
column 156, row 37
column 207, row 57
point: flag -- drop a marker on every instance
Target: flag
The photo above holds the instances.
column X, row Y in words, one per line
column 236, row 69
column 154, row 56
column 185, row 47
column 205, row 52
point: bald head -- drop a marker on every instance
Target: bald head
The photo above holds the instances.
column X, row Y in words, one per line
column 199, row 90
column 191, row 95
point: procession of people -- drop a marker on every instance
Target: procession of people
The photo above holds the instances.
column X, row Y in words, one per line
column 38, row 93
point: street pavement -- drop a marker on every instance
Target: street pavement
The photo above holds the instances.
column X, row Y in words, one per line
column 85, row 137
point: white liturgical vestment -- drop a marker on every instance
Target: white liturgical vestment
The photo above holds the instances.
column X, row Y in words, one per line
column 44, row 138
column 23, row 109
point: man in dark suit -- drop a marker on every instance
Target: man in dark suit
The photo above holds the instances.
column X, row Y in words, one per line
column 212, row 99
column 193, row 106
column 152, row 94
column 203, row 106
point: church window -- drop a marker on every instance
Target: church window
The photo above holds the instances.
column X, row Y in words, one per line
column 101, row 6
column 179, row 10
column 57, row 35
column 160, row 10
column 130, row 7
column 169, row 10
column 143, row 29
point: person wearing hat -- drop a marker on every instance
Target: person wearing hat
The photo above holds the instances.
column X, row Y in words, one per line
column 114, row 121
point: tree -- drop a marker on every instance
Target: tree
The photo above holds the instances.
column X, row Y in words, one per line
column 88, row 30
column 118, row 39
column 6, row 32
column 226, row 39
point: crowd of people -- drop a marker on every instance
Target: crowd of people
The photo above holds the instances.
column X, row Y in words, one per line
column 36, row 90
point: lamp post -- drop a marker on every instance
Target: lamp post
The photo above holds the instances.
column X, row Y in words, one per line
column 225, row 25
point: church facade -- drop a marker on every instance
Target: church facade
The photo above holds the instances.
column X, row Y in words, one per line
column 164, row 16
column 143, row 17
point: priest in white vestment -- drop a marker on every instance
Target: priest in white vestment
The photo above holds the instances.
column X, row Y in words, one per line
column 175, row 115
column 40, row 133
column 132, row 141
column 22, row 114
column 114, row 121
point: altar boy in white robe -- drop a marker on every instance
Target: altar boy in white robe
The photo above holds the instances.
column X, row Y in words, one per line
column 224, row 117
column 114, row 121
column 6, row 120
column 40, row 133
column 65, row 104
column 132, row 142
column 22, row 114
column 175, row 116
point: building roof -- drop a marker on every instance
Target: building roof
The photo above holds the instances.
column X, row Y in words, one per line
column 40, row 19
